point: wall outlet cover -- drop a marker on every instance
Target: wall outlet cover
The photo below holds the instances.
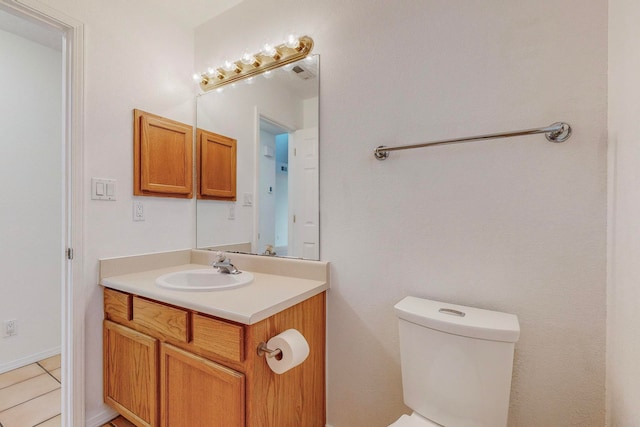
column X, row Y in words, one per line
column 138, row 210
column 10, row 328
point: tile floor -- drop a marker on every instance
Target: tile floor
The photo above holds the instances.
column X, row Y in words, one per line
column 30, row 396
column 119, row 422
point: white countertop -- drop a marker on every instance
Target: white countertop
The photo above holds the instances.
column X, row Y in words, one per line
column 267, row 295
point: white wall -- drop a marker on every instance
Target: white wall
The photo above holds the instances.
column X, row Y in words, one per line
column 514, row 225
column 623, row 346
column 134, row 58
column 31, row 203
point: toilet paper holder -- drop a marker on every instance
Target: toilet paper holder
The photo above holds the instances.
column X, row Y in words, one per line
column 263, row 349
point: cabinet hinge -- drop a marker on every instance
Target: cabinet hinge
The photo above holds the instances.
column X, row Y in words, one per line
column 69, row 253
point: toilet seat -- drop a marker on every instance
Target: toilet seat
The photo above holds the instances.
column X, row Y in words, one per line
column 414, row 420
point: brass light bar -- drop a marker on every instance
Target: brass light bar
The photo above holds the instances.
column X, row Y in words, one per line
column 252, row 65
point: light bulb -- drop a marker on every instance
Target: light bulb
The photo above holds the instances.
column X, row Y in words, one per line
column 247, row 58
column 213, row 73
column 197, row 78
column 269, row 50
column 229, row 66
column 292, row 41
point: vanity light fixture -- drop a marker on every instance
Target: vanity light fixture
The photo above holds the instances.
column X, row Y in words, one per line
column 269, row 58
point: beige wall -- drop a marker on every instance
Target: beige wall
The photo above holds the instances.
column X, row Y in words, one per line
column 623, row 346
column 514, row 225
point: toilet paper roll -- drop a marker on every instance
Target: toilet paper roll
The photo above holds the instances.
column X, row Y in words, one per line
column 294, row 347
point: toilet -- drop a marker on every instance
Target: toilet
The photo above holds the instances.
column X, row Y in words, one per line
column 456, row 364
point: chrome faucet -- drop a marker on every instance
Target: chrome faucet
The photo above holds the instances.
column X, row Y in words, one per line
column 223, row 264
column 269, row 251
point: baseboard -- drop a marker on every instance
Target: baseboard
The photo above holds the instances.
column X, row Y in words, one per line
column 101, row 418
column 24, row 361
column 107, row 415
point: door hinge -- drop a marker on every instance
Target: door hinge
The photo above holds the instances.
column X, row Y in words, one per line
column 69, row 253
column 295, row 152
column 294, row 219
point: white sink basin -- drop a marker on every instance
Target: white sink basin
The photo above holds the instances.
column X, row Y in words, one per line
column 208, row 279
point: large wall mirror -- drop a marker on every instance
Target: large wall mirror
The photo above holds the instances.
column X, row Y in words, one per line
column 273, row 118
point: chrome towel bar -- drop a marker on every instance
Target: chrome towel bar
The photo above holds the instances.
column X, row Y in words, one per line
column 557, row 132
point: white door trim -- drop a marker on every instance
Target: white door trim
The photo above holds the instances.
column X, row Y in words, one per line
column 72, row 303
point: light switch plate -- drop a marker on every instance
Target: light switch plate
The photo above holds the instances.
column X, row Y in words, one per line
column 103, row 189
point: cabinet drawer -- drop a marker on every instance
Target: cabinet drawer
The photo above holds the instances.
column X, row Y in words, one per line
column 160, row 320
column 117, row 306
column 219, row 337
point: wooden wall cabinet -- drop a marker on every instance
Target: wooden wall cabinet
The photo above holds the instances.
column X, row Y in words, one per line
column 154, row 376
column 162, row 156
column 216, row 166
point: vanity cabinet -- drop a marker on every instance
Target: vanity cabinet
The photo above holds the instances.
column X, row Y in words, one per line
column 173, row 367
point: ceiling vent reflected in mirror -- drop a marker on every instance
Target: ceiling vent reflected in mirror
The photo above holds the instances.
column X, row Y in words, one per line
column 269, row 58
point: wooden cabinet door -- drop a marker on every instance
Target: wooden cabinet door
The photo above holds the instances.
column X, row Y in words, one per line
column 196, row 392
column 130, row 374
column 163, row 157
column 216, row 166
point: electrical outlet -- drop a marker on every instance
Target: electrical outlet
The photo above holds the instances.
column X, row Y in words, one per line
column 10, row 328
column 232, row 212
column 138, row 211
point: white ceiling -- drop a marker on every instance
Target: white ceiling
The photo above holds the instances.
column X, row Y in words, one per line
column 30, row 30
column 190, row 13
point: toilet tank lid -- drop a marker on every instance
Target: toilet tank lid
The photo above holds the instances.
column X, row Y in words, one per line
column 459, row 320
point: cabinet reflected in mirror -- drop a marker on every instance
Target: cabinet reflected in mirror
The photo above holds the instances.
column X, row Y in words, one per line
column 274, row 120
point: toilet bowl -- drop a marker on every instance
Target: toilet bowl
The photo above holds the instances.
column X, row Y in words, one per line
column 413, row 420
column 456, row 364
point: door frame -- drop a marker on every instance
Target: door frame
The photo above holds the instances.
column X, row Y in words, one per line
column 261, row 114
column 72, row 299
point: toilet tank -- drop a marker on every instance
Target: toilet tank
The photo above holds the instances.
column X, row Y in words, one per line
column 456, row 362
